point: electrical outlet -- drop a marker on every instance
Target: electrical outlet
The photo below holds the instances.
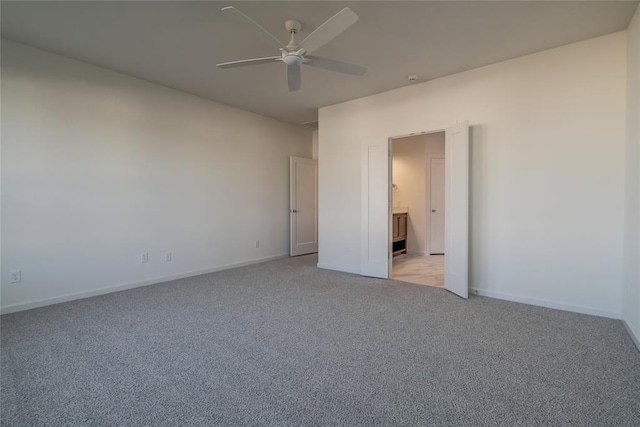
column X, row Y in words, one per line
column 167, row 256
column 257, row 243
column 144, row 257
column 16, row 276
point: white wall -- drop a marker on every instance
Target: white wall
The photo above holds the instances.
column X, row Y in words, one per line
column 314, row 145
column 631, row 297
column 547, row 180
column 98, row 167
column 410, row 173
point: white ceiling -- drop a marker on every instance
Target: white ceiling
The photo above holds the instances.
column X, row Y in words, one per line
column 178, row 43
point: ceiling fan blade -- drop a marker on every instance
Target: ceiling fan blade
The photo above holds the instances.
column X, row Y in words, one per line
column 332, row 65
column 246, row 62
column 258, row 29
column 293, row 77
column 330, row 29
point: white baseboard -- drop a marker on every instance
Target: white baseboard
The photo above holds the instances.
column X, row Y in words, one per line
column 335, row 268
column 417, row 253
column 544, row 303
column 634, row 337
column 86, row 294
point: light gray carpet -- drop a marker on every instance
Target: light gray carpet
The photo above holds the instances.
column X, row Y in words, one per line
column 283, row 343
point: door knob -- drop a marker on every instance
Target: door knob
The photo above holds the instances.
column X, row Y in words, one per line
column 433, row 210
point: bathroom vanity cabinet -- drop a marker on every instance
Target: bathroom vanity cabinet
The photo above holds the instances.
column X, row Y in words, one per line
column 399, row 233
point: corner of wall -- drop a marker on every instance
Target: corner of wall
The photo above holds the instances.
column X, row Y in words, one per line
column 631, row 251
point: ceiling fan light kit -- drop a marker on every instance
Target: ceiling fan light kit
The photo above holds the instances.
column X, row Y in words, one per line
column 292, row 59
column 296, row 54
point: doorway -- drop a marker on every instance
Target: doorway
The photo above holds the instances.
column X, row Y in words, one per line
column 303, row 210
column 418, row 178
column 377, row 207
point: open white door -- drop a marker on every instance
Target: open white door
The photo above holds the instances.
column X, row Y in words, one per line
column 376, row 234
column 456, row 227
column 303, row 206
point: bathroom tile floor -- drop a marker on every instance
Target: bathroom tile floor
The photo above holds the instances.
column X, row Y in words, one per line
column 419, row 269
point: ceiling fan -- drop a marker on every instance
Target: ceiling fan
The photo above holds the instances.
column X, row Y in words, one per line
column 295, row 54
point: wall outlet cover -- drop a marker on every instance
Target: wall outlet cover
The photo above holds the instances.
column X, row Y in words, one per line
column 15, row 276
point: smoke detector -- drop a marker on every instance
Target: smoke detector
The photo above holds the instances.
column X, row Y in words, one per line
column 412, row 78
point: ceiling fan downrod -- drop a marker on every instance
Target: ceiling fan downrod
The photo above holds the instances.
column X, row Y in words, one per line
column 292, row 26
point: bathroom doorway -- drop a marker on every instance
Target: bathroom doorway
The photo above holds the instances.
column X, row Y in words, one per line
column 377, row 214
column 418, row 197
